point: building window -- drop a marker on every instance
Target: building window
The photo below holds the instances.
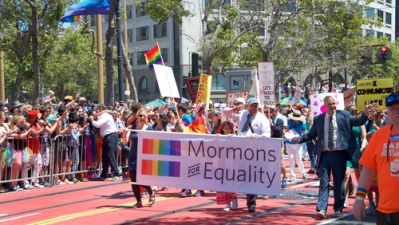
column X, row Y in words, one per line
column 143, row 84
column 130, row 35
column 129, row 11
column 141, row 58
column 239, row 82
column 251, row 5
column 215, row 4
column 290, row 6
column 388, row 19
column 261, row 31
column 380, row 15
column 370, row 13
column 369, row 33
column 388, row 36
column 160, row 30
column 380, row 34
column 142, row 34
column 164, row 53
column 141, row 9
column 388, row 2
column 219, row 82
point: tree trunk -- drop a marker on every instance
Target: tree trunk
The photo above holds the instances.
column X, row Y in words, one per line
column 129, row 75
column 109, row 95
column 35, row 50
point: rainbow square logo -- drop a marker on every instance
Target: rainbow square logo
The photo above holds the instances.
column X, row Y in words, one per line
column 160, row 168
column 161, row 147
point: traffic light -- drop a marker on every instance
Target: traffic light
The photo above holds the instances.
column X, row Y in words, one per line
column 195, row 64
column 383, row 54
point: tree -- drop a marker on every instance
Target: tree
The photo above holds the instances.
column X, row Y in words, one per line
column 20, row 23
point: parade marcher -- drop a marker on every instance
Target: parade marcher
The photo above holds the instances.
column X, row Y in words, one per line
column 109, row 133
column 141, row 123
column 234, row 113
column 253, row 124
column 296, row 127
column 333, row 133
column 381, row 159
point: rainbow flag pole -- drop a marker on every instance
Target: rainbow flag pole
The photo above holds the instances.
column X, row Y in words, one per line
column 154, row 56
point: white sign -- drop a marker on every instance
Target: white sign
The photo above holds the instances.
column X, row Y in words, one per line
column 317, row 102
column 166, row 81
column 266, row 83
column 208, row 162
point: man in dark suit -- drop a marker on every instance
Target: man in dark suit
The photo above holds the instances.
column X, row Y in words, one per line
column 333, row 133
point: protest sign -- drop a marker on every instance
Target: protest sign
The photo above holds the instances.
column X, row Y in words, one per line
column 204, row 89
column 349, row 95
column 234, row 95
column 208, row 162
column 166, row 81
column 373, row 91
column 266, row 83
column 317, row 102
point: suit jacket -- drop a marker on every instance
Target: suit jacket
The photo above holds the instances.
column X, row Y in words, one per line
column 345, row 121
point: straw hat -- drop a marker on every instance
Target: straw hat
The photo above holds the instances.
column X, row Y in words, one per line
column 296, row 115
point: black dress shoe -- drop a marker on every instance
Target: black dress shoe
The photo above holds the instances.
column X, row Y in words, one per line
column 251, row 208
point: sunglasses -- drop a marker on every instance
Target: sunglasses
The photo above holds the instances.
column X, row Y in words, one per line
column 392, row 99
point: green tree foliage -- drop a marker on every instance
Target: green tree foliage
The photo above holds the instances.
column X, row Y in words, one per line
column 71, row 67
column 160, row 11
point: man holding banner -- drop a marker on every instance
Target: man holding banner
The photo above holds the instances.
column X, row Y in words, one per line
column 254, row 124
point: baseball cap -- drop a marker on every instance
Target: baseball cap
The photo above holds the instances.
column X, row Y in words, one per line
column 239, row 100
column 252, row 100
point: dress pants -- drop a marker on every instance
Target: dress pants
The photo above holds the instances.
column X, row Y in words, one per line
column 335, row 162
column 110, row 143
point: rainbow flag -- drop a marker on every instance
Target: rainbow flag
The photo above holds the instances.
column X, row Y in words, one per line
column 153, row 56
column 161, row 147
column 73, row 19
column 160, row 168
column 86, row 7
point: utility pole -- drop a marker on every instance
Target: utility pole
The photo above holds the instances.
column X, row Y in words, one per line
column 100, row 63
column 121, row 89
column 125, row 36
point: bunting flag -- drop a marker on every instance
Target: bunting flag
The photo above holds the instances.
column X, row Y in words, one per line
column 86, row 7
column 153, row 56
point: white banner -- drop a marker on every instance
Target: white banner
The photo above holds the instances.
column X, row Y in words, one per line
column 317, row 102
column 210, row 162
column 266, row 83
column 166, row 81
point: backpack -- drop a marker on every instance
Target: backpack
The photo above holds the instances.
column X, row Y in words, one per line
column 277, row 128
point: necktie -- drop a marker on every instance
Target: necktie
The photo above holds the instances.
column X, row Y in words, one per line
column 330, row 133
column 247, row 124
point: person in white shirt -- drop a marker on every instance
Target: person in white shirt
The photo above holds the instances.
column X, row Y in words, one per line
column 109, row 133
column 234, row 114
column 253, row 124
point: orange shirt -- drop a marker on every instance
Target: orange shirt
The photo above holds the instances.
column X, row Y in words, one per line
column 375, row 157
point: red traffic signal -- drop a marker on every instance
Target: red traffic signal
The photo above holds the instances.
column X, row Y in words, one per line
column 383, row 54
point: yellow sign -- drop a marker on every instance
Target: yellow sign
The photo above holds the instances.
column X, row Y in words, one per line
column 204, row 89
column 373, row 91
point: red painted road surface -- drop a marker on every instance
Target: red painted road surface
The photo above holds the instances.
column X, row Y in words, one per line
column 111, row 203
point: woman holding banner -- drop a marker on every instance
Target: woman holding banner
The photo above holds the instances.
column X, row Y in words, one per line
column 141, row 124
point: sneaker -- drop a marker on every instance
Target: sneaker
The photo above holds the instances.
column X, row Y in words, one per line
column 151, row 201
column 84, row 180
column 74, row 180
column 227, row 208
column 138, row 205
column 305, row 176
column 293, row 180
column 68, row 181
column 185, row 193
column 321, row 214
column 98, row 179
column 199, row 193
column 338, row 214
column 59, row 182
column 3, row 190
column 37, row 185
column 27, row 186
column 251, row 208
column 371, row 210
column 284, row 183
column 234, row 204
column 16, row 188
column 116, row 179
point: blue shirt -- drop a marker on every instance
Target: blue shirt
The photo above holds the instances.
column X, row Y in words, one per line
column 299, row 128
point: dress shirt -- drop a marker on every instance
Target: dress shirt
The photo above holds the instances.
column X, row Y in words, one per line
column 336, row 136
column 106, row 124
column 260, row 124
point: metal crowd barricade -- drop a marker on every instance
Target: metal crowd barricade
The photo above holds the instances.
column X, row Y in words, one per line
column 24, row 159
column 59, row 158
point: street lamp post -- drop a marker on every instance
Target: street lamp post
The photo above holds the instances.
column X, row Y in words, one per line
column 121, row 89
column 2, row 85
